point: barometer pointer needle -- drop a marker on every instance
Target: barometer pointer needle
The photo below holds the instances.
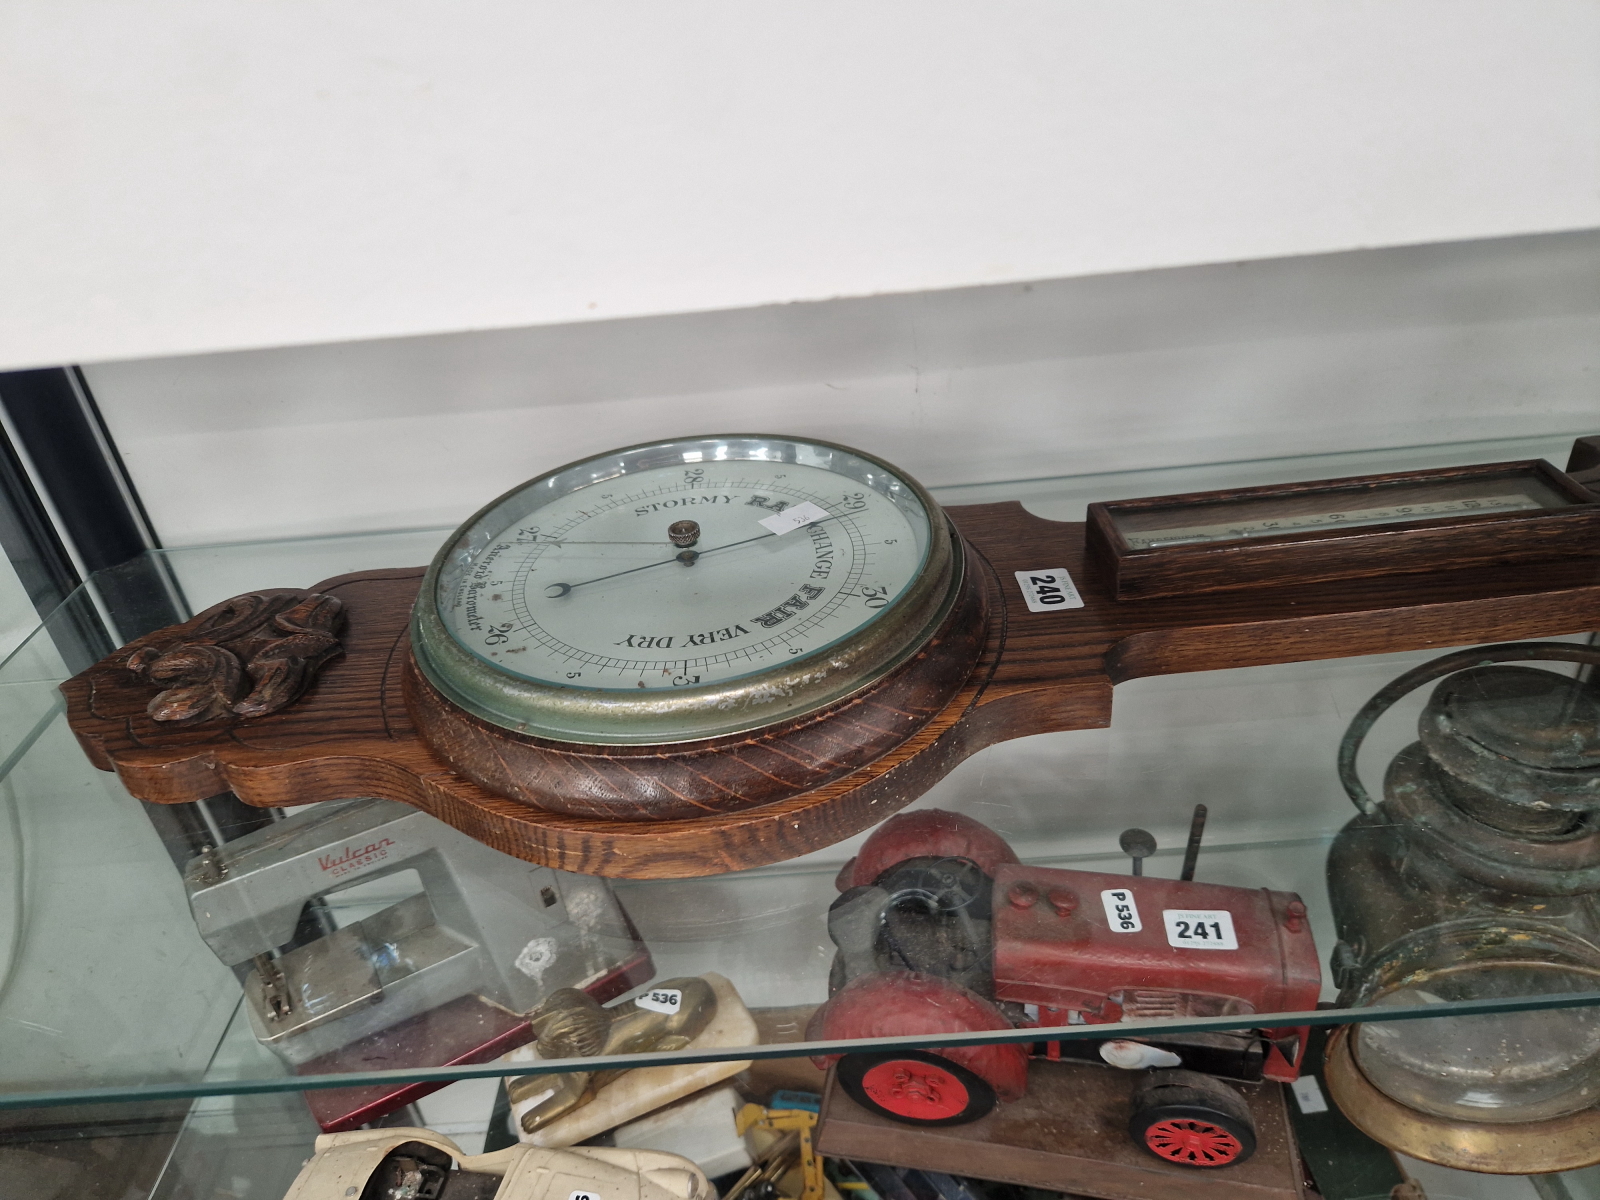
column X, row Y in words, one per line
column 685, row 557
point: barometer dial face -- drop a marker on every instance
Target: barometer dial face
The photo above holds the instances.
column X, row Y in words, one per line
column 590, row 586
column 684, row 589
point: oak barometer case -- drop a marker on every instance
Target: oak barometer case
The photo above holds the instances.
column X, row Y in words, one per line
column 716, row 652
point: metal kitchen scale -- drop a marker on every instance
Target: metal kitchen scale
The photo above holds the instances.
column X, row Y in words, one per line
column 708, row 653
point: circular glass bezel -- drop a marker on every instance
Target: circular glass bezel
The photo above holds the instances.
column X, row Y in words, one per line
column 619, row 716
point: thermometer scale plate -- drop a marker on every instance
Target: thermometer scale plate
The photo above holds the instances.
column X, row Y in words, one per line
column 1351, row 518
column 1290, row 534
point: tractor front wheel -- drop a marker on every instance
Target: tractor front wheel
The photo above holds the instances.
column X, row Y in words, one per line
column 1191, row 1119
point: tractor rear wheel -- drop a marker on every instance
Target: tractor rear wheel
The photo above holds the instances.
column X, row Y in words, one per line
column 915, row 1087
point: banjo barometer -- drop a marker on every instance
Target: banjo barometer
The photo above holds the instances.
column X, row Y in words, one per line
column 715, row 652
column 593, row 640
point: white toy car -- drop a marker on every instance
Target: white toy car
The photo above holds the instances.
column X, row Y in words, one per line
column 418, row 1164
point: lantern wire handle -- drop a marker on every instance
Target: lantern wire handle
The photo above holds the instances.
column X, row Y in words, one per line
column 1381, row 702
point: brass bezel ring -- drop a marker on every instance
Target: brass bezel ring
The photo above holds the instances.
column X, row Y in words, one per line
column 1533, row 1148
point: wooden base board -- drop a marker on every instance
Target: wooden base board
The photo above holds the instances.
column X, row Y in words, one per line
column 1069, row 1133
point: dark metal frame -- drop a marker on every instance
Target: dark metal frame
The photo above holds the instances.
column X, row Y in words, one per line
column 69, row 515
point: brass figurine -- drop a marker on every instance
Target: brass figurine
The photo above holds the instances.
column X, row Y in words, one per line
column 571, row 1024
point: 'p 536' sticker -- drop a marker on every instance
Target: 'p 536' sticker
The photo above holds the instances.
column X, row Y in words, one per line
column 1200, row 929
column 661, row 1000
column 1122, row 914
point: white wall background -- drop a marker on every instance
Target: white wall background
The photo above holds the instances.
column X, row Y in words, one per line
column 1353, row 351
column 184, row 176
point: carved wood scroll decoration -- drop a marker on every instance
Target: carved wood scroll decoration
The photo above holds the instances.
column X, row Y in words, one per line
column 246, row 657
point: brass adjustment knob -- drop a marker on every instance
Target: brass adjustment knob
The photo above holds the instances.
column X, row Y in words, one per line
column 683, row 533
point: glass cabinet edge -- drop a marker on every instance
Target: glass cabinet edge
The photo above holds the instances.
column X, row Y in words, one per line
column 450, row 1074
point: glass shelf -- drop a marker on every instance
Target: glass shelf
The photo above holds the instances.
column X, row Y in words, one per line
column 107, row 991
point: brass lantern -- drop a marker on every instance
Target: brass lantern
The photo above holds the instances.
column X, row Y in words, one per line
column 1476, row 876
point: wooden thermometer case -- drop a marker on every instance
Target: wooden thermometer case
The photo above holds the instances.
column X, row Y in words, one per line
column 1568, row 526
column 316, row 724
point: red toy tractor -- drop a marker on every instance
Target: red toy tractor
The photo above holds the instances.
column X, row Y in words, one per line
column 940, row 929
